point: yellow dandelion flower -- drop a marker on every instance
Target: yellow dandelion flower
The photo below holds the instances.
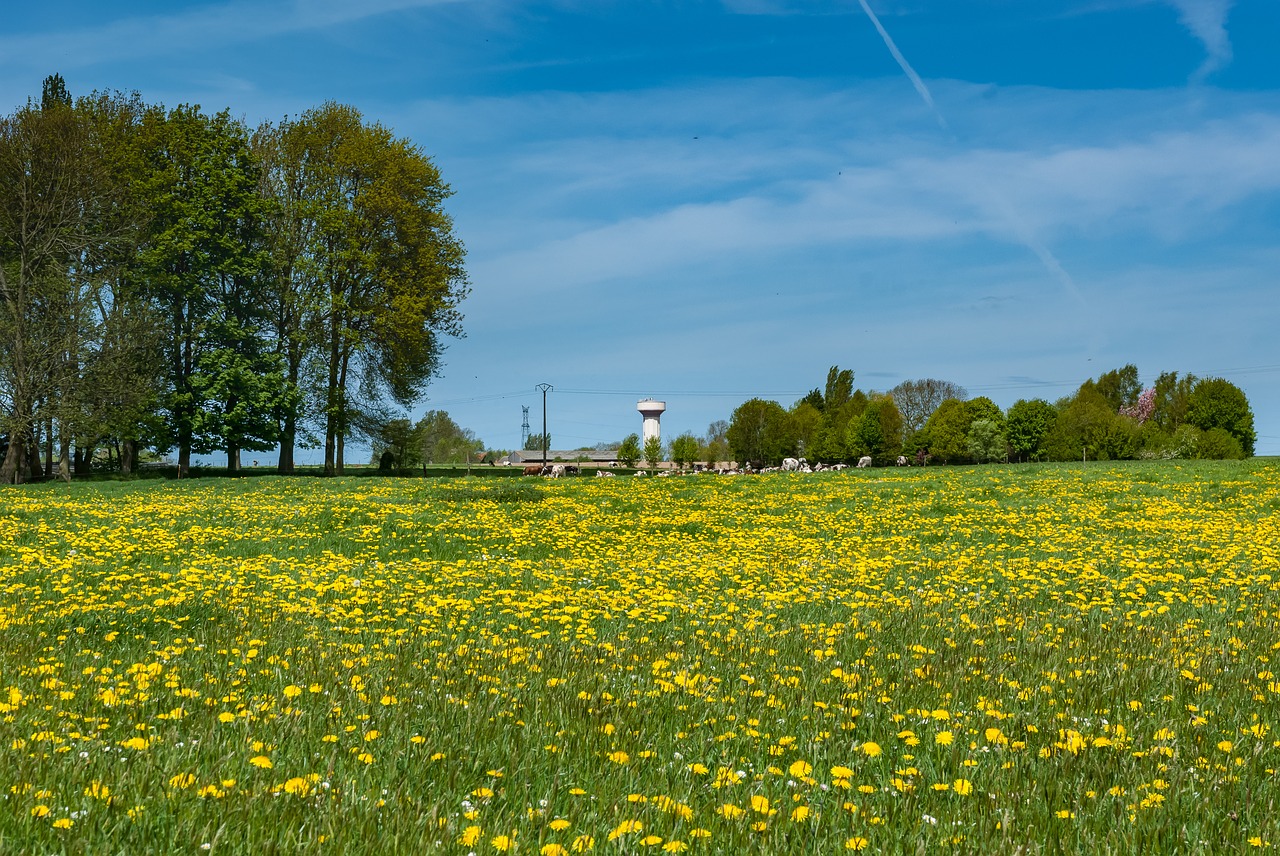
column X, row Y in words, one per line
column 800, row 769
column 182, row 780
column 624, row 828
column 261, row 761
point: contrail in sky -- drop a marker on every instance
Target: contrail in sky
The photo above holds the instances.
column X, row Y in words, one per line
column 1019, row 226
column 906, row 66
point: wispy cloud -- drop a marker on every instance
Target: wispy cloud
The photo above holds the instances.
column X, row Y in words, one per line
column 1164, row 187
column 165, row 35
column 1207, row 21
column 916, row 81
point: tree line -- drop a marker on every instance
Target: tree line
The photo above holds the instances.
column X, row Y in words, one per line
column 173, row 280
column 1111, row 417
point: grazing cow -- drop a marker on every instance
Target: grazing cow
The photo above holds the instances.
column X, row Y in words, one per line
column 864, row 461
column 571, row 469
column 533, row 470
column 555, row 471
column 790, row 465
column 601, row 474
column 902, row 460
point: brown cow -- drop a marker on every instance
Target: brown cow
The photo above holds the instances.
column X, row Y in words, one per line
column 533, row 470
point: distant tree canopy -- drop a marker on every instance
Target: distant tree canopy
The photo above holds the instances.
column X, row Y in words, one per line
column 1111, row 417
column 761, row 433
column 433, row 439
column 685, row 449
column 629, row 451
column 171, row 279
column 877, row 431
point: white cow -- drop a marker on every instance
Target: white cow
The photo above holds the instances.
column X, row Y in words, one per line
column 790, row 465
column 557, row 470
column 864, row 461
column 902, row 460
column 601, row 474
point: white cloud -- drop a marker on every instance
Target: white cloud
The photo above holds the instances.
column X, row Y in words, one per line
column 1165, row 187
column 166, row 35
column 1207, row 21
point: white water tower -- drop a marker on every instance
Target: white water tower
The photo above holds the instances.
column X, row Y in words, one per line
column 652, row 412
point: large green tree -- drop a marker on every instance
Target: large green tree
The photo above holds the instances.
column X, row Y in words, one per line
column 1219, row 403
column 370, row 274
column 685, row 449
column 987, row 441
column 1173, row 399
column 1027, row 424
column 441, row 440
column 1087, row 428
column 841, row 404
column 878, row 431
column 946, row 432
column 205, row 267
column 629, row 450
column 761, row 433
column 51, row 202
column 1120, row 387
column 122, row 380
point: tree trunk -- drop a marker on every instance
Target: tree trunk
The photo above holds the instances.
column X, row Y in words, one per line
column 343, row 415
column 233, row 459
column 34, row 470
column 15, row 461
column 287, row 437
column 332, row 404
column 48, row 447
column 289, row 424
column 64, row 455
column 83, row 458
column 128, row 456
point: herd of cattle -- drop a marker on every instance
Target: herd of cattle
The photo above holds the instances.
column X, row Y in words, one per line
column 789, row 465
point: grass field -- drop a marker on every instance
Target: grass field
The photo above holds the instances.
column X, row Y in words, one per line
column 1001, row 659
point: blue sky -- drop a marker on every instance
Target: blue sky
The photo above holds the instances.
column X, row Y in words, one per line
column 709, row 201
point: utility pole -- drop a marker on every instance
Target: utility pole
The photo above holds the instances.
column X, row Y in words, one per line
column 545, row 439
column 524, row 429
